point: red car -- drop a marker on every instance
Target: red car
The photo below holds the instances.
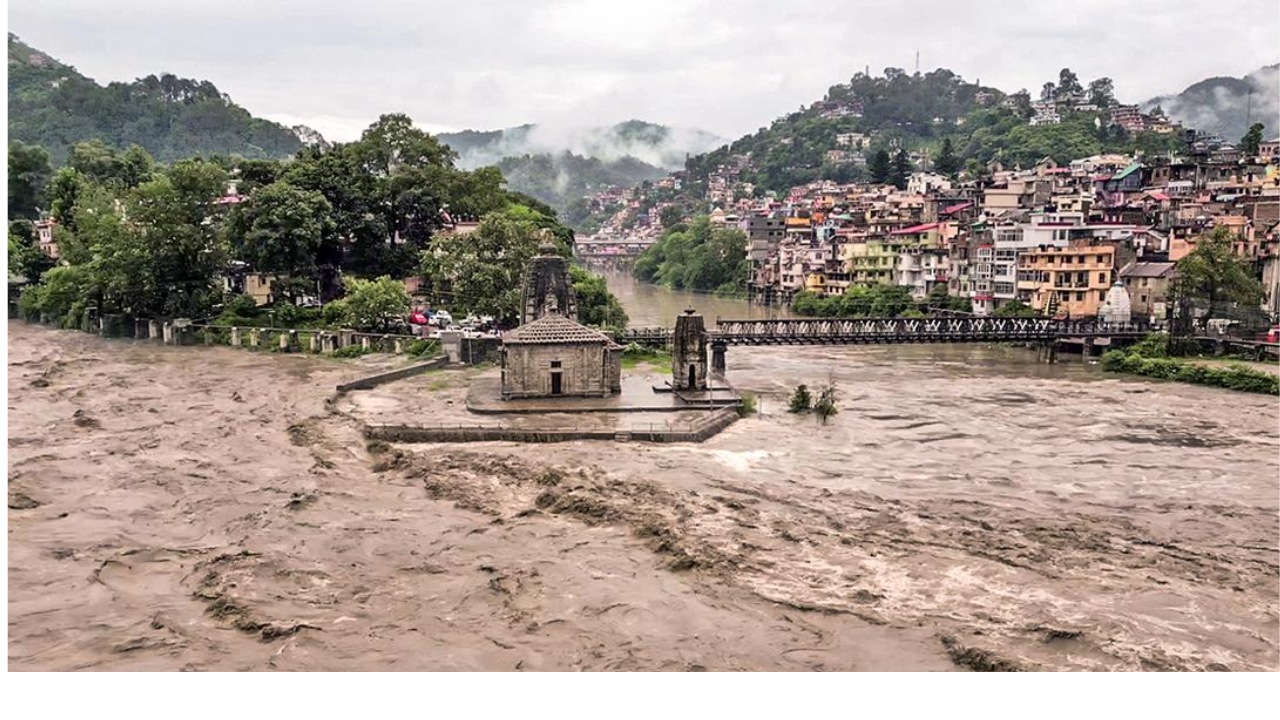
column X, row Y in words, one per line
column 418, row 318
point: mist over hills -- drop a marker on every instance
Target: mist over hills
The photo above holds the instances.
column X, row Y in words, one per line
column 561, row 164
column 656, row 145
column 1227, row 105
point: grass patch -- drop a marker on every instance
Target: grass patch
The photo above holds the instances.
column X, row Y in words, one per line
column 1135, row 361
column 636, row 355
column 423, row 348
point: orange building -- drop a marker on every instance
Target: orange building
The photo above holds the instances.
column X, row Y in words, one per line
column 1074, row 279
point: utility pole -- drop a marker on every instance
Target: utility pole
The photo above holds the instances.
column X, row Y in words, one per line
column 917, row 62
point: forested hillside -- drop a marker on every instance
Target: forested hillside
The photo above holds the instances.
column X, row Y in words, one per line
column 560, row 179
column 917, row 114
column 54, row 106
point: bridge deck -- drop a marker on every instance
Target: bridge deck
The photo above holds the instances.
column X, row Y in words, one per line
column 850, row 331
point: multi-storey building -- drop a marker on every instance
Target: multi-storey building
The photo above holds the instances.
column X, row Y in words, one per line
column 1071, row 280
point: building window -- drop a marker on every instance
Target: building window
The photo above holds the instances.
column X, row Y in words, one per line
column 555, row 364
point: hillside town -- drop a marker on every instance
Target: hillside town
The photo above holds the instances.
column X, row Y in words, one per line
column 1055, row 237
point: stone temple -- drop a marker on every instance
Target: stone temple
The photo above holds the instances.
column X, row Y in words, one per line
column 551, row 354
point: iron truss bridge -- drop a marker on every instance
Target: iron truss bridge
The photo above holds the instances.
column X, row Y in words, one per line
column 850, row 331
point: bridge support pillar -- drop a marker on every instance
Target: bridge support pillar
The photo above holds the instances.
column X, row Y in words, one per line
column 718, row 349
column 1047, row 352
column 1086, row 349
column 689, row 352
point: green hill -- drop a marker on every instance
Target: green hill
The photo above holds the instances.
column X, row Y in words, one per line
column 52, row 105
column 917, row 113
column 560, row 179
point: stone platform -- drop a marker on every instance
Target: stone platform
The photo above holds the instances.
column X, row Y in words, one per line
column 638, row 395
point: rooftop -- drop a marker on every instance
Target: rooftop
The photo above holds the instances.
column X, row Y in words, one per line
column 1147, row 269
column 553, row 329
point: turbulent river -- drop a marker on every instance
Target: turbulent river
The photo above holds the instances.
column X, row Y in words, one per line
column 966, row 508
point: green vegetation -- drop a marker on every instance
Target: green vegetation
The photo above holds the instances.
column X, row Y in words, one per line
column 825, row 408
column 373, row 208
column 801, row 401
column 1212, row 273
column 596, row 305
column 747, row 405
column 1252, row 138
column 423, row 348
column 1148, row 358
column 25, row 257
column 558, row 180
column 54, row 106
column 243, row 311
column 857, row 301
column 483, row 274
column 698, row 256
column 29, row 172
column 635, row 355
column 960, row 123
column 374, row 305
column 1015, row 308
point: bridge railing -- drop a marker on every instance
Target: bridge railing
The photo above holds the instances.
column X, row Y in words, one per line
column 906, row 330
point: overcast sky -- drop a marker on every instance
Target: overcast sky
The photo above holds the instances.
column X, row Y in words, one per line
column 725, row 66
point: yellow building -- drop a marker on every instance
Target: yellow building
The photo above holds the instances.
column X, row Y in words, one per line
column 1078, row 276
column 871, row 262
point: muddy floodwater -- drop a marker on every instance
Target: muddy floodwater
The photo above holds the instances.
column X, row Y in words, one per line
column 216, row 509
column 649, row 305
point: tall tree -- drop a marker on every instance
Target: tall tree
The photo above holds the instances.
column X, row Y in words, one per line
column 901, row 169
column 1211, row 272
column 1102, row 92
column 29, row 172
column 281, row 230
column 1068, row 85
column 947, row 163
column 1252, row 138
column 1021, row 102
column 482, row 273
column 1048, row 92
column 879, row 166
column 102, row 164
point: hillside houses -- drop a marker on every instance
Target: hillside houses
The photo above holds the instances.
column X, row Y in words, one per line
column 1057, row 238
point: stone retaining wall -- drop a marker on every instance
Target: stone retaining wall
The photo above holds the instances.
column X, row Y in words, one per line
column 695, row 432
column 393, row 375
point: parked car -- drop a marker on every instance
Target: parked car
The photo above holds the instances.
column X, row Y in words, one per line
column 443, row 318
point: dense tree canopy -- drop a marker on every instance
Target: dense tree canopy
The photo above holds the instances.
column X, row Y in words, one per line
column 1249, row 143
column 481, row 272
column 29, row 171
column 1213, row 274
column 157, row 241
column 700, row 256
column 284, row 230
column 54, row 106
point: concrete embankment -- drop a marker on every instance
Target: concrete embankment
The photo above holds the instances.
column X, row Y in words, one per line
column 693, row 432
